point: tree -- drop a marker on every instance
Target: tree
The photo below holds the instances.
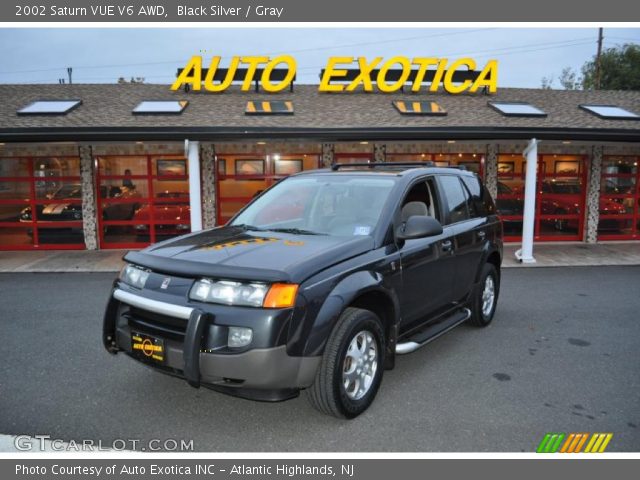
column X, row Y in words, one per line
column 547, row 83
column 619, row 69
column 569, row 79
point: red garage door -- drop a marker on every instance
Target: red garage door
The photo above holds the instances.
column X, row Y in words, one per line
column 619, row 199
column 40, row 203
column 560, row 197
column 142, row 199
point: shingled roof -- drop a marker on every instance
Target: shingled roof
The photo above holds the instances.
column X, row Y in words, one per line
column 106, row 113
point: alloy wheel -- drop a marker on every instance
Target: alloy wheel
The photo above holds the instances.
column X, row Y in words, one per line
column 360, row 365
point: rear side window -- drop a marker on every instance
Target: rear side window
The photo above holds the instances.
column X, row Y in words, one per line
column 456, row 198
column 477, row 207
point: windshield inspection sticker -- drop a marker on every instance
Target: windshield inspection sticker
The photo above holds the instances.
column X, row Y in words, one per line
column 362, row 230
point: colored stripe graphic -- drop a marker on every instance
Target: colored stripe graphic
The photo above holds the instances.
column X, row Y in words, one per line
column 583, row 439
column 598, row 442
column 550, row 443
column 574, row 442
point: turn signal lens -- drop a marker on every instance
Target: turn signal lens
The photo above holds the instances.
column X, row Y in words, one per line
column 281, row 295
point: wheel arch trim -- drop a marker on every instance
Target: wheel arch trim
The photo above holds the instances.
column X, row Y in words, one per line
column 343, row 295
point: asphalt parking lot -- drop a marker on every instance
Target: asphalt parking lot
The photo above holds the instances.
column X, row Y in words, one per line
column 561, row 356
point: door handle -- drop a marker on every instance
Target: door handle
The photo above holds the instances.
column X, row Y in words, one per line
column 482, row 234
column 447, row 246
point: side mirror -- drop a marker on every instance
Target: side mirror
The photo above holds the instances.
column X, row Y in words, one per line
column 419, row 226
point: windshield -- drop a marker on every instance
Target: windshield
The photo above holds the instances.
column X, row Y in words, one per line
column 68, row 191
column 564, row 187
column 324, row 204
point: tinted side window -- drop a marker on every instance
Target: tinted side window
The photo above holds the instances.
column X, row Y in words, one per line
column 455, row 198
column 474, row 188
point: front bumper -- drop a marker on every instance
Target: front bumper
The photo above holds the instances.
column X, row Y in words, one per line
column 194, row 350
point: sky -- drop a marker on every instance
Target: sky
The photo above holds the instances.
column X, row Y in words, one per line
column 102, row 55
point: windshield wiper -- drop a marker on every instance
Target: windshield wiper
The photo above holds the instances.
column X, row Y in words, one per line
column 295, row 231
column 251, row 228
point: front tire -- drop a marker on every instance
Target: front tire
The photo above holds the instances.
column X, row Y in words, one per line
column 485, row 297
column 351, row 369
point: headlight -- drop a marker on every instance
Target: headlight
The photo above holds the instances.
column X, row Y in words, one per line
column 278, row 295
column 134, row 276
column 231, row 293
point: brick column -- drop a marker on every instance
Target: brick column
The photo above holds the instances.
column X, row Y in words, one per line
column 328, row 150
column 208, row 174
column 88, row 181
column 491, row 169
column 379, row 152
column 593, row 195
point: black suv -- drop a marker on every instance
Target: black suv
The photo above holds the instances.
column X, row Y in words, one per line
column 316, row 284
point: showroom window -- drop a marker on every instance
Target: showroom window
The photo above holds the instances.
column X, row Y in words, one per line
column 142, row 199
column 40, row 203
column 474, row 162
column 362, row 157
column 241, row 177
column 560, row 198
column 619, row 204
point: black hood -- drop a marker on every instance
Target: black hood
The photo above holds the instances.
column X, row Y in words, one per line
column 235, row 253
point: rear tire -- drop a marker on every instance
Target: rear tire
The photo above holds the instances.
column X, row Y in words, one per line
column 352, row 364
column 485, row 297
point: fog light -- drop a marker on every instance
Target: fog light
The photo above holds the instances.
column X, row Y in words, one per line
column 239, row 337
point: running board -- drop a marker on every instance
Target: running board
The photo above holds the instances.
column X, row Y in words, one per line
column 425, row 336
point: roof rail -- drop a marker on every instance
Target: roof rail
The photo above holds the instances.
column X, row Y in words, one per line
column 337, row 166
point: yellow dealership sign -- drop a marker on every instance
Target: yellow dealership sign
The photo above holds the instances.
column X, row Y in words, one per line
column 345, row 74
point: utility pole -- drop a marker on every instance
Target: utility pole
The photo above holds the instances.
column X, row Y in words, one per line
column 69, row 71
column 598, row 55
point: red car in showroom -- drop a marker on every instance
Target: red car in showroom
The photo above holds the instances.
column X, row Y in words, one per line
column 171, row 215
column 563, row 198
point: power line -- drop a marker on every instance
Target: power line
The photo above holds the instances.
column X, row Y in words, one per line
column 484, row 53
column 443, row 34
column 379, row 42
column 514, row 49
column 636, row 40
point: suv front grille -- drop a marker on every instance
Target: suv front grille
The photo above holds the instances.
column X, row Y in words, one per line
column 154, row 323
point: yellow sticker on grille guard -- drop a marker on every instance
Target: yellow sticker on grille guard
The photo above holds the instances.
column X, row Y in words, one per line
column 147, row 347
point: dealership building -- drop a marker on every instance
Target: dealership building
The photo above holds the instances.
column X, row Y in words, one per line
column 123, row 165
